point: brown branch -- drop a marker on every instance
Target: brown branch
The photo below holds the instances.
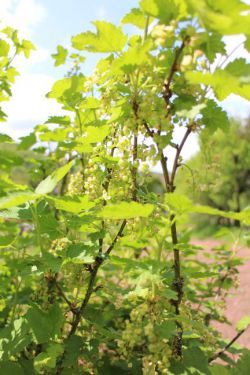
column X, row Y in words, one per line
column 105, row 186
column 178, row 279
column 165, row 171
column 177, row 155
column 177, row 284
column 167, row 93
column 218, row 354
column 62, row 294
column 90, row 289
column 149, row 131
column 119, row 234
column 98, row 262
column 135, row 107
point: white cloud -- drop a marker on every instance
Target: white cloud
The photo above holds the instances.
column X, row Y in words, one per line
column 28, row 105
column 236, row 106
column 23, row 15
column 102, row 13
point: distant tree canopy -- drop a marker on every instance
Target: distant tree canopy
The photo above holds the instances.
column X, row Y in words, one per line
column 219, row 175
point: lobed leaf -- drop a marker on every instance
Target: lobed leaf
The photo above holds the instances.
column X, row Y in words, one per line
column 48, row 185
column 126, row 210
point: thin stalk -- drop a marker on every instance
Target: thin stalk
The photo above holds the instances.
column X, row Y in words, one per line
column 222, row 351
column 37, row 226
column 90, row 289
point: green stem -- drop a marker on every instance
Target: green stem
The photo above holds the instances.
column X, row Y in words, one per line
column 37, row 226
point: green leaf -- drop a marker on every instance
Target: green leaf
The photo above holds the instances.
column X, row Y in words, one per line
column 48, row 358
column 16, row 199
column 11, row 73
column 214, row 117
column 4, row 48
column 212, row 45
column 56, row 135
column 178, row 203
column 14, row 338
column 247, row 43
column 135, row 17
column 222, row 82
column 239, row 68
column 82, row 258
column 219, row 370
column 59, row 88
column 243, row 323
column 11, row 368
column 126, row 210
column 6, row 138
column 61, row 55
column 137, row 54
column 61, row 120
column 108, row 38
column 94, row 134
column 243, row 365
column 195, row 359
column 45, row 325
column 73, row 348
column 8, row 31
column 90, row 103
column 192, row 113
column 48, row 185
column 243, row 216
column 26, row 47
column 6, row 241
column 225, row 17
column 68, row 90
column 27, row 141
column 74, row 204
column 165, row 10
column 182, row 204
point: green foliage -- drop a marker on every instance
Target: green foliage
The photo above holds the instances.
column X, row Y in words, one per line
column 48, row 185
column 98, row 274
column 214, row 117
column 10, row 46
column 126, row 210
column 61, row 56
column 221, row 171
column 108, row 38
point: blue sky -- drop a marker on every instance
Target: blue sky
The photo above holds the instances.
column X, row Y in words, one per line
column 69, row 17
column 48, row 23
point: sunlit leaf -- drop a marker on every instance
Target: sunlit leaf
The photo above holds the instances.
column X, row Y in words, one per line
column 108, row 38
column 126, row 210
column 48, row 185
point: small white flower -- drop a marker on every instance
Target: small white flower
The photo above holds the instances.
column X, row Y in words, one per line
column 33, row 268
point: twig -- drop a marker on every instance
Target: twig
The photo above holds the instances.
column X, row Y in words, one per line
column 167, row 93
column 177, row 284
column 62, row 294
column 135, row 107
column 218, row 354
column 90, row 289
column 177, row 155
column 119, row 234
column 165, row 171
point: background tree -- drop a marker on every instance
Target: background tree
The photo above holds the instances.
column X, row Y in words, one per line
column 219, row 174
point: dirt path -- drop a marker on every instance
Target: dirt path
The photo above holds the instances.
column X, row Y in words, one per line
column 238, row 304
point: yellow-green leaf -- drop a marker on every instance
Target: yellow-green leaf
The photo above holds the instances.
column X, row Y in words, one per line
column 74, row 204
column 16, row 199
column 126, row 210
column 243, row 323
column 48, row 185
column 108, row 38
